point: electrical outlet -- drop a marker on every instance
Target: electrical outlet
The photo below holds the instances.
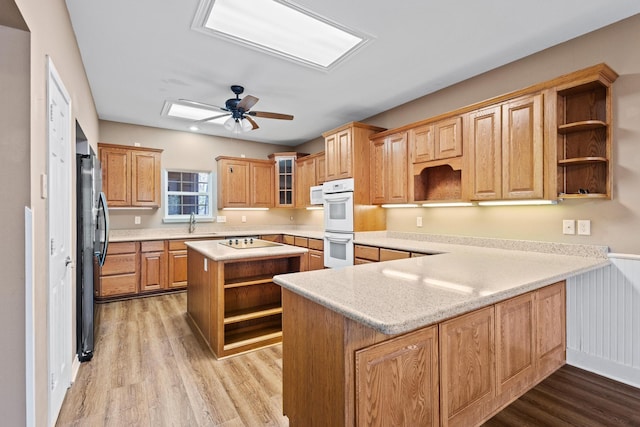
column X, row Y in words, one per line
column 584, row 227
column 244, row 218
column 568, row 226
column 419, row 221
column 136, row 220
column 221, row 218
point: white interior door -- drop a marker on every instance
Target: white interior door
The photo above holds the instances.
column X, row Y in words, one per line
column 60, row 272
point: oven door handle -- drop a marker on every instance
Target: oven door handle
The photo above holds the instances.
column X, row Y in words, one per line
column 336, row 199
column 338, row 239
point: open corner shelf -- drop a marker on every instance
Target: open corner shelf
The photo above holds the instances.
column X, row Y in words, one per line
column 583, row 196
column 584, row 140
column 582, row 160
column 584, row 125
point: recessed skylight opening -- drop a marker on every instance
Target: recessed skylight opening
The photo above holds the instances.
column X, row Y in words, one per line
column 279, row 28
column 181, row 111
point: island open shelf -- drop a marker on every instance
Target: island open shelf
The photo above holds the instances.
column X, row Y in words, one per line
column 233, row 303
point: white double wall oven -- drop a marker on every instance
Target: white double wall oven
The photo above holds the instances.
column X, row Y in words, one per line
column 338, row 222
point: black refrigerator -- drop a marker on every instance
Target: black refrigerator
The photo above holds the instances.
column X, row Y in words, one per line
column 92, row 242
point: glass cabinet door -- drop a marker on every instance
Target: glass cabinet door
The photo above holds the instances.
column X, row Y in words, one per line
column 284, row 172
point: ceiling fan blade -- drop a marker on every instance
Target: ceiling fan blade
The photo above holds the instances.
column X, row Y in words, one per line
column 202, row 105
column 206, row 119
column 268, row 115
column 253, row 122
column 247, row 102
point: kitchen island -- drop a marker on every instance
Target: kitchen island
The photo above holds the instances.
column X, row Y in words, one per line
column 232, row 301
column 447, row 339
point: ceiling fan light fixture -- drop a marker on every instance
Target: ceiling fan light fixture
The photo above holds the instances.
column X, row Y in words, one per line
column 230, row 124
column 246, row 126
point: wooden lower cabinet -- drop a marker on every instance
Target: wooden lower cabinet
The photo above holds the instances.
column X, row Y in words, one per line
column 234, row 304
column 153, row 266
column 177, row 272
column 363, row 254
column 467, row 381
column 392, row 373
column 119, row 274
column 312, row 260
column 391, row 254
column 492, row 356
column 316, row 259
column 460, row 372
column 137, row 268
column 550, row 337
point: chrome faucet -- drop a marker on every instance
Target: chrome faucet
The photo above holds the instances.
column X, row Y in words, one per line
column 192, row 222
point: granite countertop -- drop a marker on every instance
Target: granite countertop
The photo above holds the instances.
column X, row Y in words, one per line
column 216, row 251
column 183, row 234
column 398, row 296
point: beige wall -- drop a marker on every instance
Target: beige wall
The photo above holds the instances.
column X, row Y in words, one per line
column 189, row 151
column 14, row 174
column 51, row 35
column 311, row 147
column 614, row 223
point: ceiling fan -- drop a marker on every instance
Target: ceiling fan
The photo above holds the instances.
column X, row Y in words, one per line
column 238, row 109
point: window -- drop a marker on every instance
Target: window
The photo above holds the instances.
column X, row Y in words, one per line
column 187, row 192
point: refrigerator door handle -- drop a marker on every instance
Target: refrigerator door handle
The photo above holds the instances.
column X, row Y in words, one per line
column 103, row 211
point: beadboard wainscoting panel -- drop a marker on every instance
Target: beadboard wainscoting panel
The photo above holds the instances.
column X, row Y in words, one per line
column 603, row 320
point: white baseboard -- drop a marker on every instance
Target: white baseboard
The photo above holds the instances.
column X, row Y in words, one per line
column 615, row 371
column 75, row 367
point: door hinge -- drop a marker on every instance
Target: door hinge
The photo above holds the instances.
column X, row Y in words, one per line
column 50, row 112
column 52, row 246
column 53, row 380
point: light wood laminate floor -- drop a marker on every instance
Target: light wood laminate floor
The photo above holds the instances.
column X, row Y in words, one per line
column 150, row 370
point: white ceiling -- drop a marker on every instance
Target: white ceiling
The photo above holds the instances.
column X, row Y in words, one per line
column 139, row 54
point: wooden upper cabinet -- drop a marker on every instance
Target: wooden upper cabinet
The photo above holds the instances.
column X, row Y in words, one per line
column 448, row 138
column 347, row 153
column 421, row 143
column 505, row 150
column 378, row 180
column 338, row 155
column 484, row 153
column 145, row 182
column 307, row 177
column 233, row 182
column 436, row 141
column 522, row 148
column 261, row 189
column 116, row 175
column 245, row 183
column 131, row 176
column 321, row 168
column 286, row 178
column 389, row 169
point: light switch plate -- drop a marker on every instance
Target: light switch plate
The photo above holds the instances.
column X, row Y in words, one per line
column 568, row 226
column 221, row 218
